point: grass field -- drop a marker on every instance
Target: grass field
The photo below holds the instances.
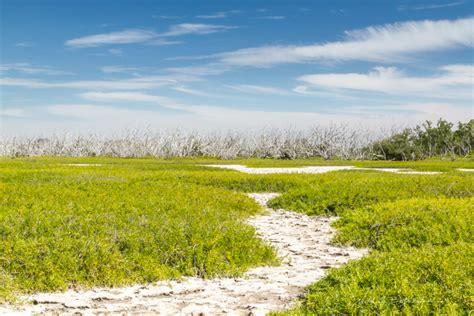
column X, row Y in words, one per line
column 128, row 221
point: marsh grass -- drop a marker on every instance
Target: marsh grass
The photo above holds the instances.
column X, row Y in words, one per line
column 132, row 221
column 334, row 194
column 59, row 232
column 420, row 232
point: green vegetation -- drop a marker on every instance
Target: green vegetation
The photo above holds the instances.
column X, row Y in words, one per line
column 68, row 227
column 140, row 220
column 408, row 223
column 426, row 141
column 422, row 281
column 420, row 232
column 333, row 194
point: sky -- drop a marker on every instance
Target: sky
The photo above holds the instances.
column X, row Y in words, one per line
column 106, row 66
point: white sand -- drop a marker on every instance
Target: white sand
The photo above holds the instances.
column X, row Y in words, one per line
column 301, row 241
column 312, row 170
column 321, row 169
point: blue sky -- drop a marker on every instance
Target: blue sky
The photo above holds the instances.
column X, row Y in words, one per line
column 103, row 66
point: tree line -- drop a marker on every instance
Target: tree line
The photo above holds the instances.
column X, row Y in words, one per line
column 427, row 140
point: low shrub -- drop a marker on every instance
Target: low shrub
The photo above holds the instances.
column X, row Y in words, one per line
column 85, row 233
column 334, row 193
column 424, row 281
column 408, row 223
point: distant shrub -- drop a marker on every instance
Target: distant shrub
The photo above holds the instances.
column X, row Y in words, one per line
column 426, row 141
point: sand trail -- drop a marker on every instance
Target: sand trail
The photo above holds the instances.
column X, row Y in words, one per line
column 315, row 169
column 301, row 241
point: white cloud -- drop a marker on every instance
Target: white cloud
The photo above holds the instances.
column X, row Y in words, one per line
column 142, row 83
column 195, row 28
column 24, row 44
column 133, row 36
column 13, row 112
column 430, row 6
column 385, row 43
column 162, row 42
column 190, row 91
column 217, row 15
column 123, row 37
column 132, row 97
column 246, row 88
column 27, row 68
column 172, row 17
column 96, row 117
column 205, row 70
column 454, row 82
column 114, row 115
column 121, row 69
column 273, row 17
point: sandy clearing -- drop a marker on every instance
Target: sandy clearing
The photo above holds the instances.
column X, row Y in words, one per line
column 315, row 169
column 301, row 241
column 245, row 169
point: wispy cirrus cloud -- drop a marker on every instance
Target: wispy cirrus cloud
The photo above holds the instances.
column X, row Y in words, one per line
column 27, row 68
column 454, row 82
column 123, row 37
column 170, row 17
column 430, row 6
column 194, row 92
column 132, row 96
column 139, row 83
column 122, row 69
column 390, row 42
column 272, row 17
column 196, row 28
column 24, row 44
column 133, row 36
column 256, row 89
column 204, row 70
column 218, row 15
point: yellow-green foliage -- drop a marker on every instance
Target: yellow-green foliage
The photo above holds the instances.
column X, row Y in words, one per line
column 408, row 223
column 69, row 229
column 334, row 194
column 421, row 260
column 140, row 220
column 423, row 281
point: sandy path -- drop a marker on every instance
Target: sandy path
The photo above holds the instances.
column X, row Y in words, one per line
column 315, row 169
column 301, row 241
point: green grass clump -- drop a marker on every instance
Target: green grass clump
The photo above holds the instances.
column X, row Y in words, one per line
column 55, row 236
column 408, row 223
column 424, row 281
column 422, row 261
column 334, row 193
